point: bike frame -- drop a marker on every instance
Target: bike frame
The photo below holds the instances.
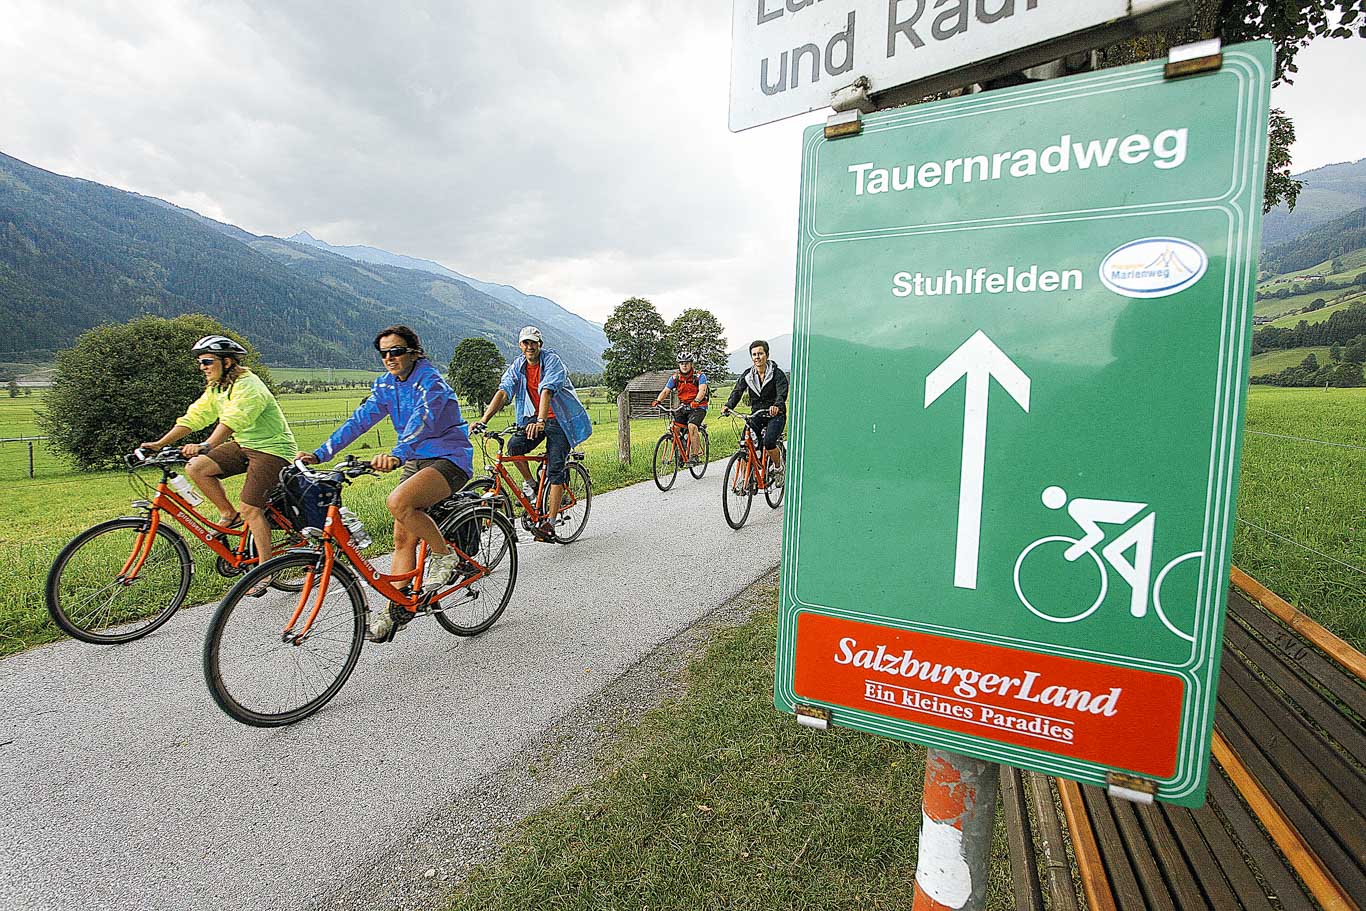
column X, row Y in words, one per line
column 337, row 537
column 503, row 483
column 172, row 504
column 753, row 457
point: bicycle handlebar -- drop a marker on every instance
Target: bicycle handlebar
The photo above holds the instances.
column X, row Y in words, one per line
column 142, row 457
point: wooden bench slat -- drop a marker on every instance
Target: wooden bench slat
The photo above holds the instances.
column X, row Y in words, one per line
column 1062, row 893
column 1220, row 892
column 1289, row 741
column 1346, row 732
column 1313, row 663
column 1150, row 878
column 1249, row 589
column 1118, row 866
column 1300, row 775
column 1172, row 864
column 1270, row 863
column 1090, row 863
column 1020, row 840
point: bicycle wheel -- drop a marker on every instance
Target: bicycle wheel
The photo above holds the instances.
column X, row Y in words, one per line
column 262, row 677
column 89, row 596
column 700, row 469
column 485, row 486
column 476, row 607
column 281, row 540
column 774, row 495
column 574, row 507
column 1063, row 587
column 666, row 462
column 737, row 495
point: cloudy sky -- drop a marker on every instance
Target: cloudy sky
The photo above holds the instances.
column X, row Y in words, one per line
column 575, row 150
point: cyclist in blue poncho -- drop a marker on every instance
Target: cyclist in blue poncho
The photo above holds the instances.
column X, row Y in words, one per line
column 433, row 448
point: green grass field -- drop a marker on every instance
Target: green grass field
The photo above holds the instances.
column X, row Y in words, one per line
column 1338, row 304
column 38, row 516
column 1352, row 265
column 322, row 374
column 1309, row 493
column 1288, row 308
column 1276, row 361
column 1302, row 505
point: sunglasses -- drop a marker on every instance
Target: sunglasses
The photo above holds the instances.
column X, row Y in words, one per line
column 386, row 353
column 206, row 361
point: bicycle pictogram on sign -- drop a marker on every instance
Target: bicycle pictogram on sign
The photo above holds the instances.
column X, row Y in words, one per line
column 1136, row 571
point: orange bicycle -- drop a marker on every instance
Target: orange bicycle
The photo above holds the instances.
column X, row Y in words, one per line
column 747, row 473
column 119, row 580
column 502, row 491
column 672, row 451
column 275, row 660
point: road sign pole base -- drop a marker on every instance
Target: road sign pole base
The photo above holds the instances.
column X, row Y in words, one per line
column 958, row 814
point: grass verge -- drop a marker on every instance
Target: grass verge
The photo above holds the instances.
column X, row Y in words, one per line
column 715, row 800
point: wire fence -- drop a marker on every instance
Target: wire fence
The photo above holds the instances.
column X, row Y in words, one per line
column 29, row 457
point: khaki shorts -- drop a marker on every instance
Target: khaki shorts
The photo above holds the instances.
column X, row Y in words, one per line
column 262, row 468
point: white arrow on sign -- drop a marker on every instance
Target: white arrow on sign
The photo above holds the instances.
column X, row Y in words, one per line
column 980, row 361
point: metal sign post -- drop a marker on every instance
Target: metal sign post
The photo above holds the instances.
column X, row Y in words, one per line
column 1022, row 328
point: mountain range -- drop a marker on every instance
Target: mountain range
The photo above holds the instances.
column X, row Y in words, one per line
column 1329, row 192
column 74, row 254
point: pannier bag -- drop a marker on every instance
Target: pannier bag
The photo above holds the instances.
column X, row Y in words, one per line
column 307, row 497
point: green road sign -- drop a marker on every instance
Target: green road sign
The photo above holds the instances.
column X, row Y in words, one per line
column 1022, row 329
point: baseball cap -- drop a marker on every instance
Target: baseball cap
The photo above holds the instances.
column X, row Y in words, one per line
column 529, row 333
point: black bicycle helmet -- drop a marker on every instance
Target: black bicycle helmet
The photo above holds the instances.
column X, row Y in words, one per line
column 220, row 345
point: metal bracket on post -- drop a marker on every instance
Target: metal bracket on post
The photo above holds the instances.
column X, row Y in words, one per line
column 1130, row 787
column 1190, row 59
column 850, row 104
column 813, row 716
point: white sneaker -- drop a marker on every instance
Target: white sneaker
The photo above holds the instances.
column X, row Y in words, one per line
column 440, row 571
column 529, row 490
column 384, row 623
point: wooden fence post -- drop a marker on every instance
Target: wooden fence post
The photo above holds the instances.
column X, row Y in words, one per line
column 624, row 428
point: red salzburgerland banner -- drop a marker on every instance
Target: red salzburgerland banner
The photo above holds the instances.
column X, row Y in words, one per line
column 1122, row 717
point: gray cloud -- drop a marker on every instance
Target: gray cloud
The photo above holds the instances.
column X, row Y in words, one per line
column 579, row 151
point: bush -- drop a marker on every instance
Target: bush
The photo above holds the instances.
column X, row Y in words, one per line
column 123, row 384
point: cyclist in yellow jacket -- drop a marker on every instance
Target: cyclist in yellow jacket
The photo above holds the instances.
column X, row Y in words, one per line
column 252, row 436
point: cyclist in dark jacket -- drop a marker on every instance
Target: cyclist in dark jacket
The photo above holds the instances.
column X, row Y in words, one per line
column 767, row 388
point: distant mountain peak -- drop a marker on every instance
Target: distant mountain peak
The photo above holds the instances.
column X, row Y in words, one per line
column 304, row 237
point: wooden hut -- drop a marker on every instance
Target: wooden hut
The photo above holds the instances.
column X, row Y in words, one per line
column 641, row 391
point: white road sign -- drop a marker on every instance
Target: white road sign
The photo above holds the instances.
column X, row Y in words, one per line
column 787, row 56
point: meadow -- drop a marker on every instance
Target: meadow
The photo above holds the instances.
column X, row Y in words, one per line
column 39, row 515
column 1301, row 510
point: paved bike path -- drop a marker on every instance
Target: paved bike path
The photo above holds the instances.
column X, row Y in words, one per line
column 125, row 787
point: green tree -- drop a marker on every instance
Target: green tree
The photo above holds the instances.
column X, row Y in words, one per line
column 122, row 384
column 476, row 367
column 1335, row 352
column 13, row 389
column 1289, row 24
column 638, row 341
column 700, row 332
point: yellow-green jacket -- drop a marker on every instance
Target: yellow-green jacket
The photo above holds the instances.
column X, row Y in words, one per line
column 250, row 410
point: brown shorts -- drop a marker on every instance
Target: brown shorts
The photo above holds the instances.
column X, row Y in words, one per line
column 262, row 468
column 453, row 473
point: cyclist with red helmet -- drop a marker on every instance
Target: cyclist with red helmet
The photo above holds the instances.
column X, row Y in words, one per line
column 691, row 386
column 251, row 437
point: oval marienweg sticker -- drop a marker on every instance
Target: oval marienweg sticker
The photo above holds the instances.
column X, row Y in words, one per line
column 1153, row 267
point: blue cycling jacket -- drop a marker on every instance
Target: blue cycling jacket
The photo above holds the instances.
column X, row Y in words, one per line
column 426, row 417
column 569, row 411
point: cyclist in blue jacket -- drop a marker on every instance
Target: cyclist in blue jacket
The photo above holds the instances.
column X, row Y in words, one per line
column 547, row 408
column 433, row 449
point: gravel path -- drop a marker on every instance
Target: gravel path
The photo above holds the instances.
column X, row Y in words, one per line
column 124, row 787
